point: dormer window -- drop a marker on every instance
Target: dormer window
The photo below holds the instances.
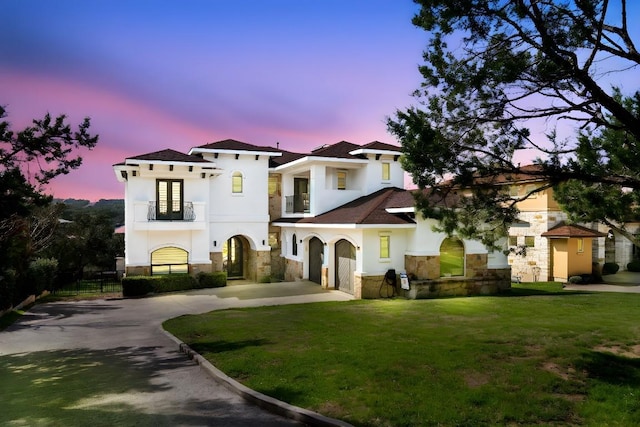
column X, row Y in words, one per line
column 236, row 183
column 342, row 180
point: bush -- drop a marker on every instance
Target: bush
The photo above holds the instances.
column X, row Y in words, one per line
column 42, row 274
column 212, row 280
column 135, row 286
column 634, row 265
column 575, row 280
column 610, row 268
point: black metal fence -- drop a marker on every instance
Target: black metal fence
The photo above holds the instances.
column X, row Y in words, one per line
column 104, row 283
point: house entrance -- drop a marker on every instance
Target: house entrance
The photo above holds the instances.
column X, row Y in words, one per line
column 345, row 265
column 316, row 252
column 233, row 257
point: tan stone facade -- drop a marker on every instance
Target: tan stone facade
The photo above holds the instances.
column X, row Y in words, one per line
column 293, row 270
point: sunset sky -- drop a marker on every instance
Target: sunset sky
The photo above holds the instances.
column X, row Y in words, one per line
column 178, row 74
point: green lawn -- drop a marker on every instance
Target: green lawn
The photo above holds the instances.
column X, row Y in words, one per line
column 539, row 357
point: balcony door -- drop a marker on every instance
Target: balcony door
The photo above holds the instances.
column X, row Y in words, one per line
column 300, row 194
column 169, row 193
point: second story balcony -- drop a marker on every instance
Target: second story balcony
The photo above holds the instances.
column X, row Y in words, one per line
column 152, row 215
column 298, row 203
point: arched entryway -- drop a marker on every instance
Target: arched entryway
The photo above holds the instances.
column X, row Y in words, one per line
column 316, row 253
column 345, row 265
column 233, row 254
column 452, row 257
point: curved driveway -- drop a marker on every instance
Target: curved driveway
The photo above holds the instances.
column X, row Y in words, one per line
column 133, row 373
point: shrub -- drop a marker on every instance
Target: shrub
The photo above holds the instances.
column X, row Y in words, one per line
column 42, row 274
column 211, row 280
column 135, row 286
column 610, row 268
column 634, row 265
column 575, row 280
column 174, row 282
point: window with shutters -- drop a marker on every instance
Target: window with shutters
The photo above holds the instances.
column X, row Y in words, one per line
column 169, row 195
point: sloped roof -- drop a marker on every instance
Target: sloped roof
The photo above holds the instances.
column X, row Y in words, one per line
column 169, row 155
column 563, row 230
column 340, row 150
column 377, row 145
column 369, row 209
column 233, row 145
column 287, row 156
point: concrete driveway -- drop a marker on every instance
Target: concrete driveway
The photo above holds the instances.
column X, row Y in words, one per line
column 165, row 387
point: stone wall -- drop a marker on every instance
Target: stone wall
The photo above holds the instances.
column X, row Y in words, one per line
column 492, row 282
column 372, row 287
column 257, row 265
column 293, row 270
column 138, row 270
column 422, row 267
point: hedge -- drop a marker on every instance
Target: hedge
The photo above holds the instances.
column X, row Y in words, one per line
column 634, row 265
column 134, row 286
column 610, row 268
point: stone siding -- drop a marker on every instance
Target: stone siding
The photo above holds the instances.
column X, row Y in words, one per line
column 422, row 267
column 490, row 283
column 293, row 270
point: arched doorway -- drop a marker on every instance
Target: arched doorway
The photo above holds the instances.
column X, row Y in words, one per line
column 169, row 260
column 316, row 253
column 233, row 257
column 345, row 265
column 451, row 257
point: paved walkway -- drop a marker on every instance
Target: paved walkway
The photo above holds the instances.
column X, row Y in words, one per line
column 622, row 281
column 166, row 388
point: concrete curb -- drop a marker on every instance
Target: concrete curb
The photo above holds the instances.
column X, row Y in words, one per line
column 270, row 404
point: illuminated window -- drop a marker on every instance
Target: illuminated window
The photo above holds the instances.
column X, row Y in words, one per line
column 236, row 182
column 342, row 180
column 452, row 257
column 513, row 240
column 580, row 245
column 169, row 260
column 169, row 199
column 386, row 171
column 385, row 246
column 274, row 240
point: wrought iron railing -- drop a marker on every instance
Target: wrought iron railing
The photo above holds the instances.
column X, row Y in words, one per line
column 160, row 212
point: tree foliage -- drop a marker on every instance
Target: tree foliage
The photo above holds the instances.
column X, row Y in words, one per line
column 494, row 68
column 30, row 159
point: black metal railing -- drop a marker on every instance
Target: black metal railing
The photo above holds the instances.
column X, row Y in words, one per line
column 161, row 212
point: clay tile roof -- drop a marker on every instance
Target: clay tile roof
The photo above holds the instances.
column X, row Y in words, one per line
column 232, row 144
column 369, row 209
column 169, row 155
column 563, row 230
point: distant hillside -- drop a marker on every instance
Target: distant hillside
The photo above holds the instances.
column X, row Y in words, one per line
column 113, row 208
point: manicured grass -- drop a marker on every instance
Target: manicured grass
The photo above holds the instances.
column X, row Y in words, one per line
column 541, row 356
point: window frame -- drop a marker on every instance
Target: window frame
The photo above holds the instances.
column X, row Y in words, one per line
column 341, row 179
column 237, row 180
column 294, row 245
column 384, row 246
column 386, row 171
column 168, row 213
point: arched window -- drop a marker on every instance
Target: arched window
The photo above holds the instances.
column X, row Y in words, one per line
column 294, row 246
column 451, row 257
column 169, row 260
column 236, row 182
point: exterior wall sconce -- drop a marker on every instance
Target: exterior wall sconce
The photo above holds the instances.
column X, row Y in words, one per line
column 215, row 243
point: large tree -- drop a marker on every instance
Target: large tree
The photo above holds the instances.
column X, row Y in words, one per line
column 494, row 68
column 30, row 159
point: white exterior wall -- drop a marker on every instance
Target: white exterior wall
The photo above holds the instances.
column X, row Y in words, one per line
column 143, row 236
column 372, row 264
column 245, row 213
column 373, row 179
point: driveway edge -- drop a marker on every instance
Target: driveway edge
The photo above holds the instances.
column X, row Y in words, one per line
column 263, row 401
